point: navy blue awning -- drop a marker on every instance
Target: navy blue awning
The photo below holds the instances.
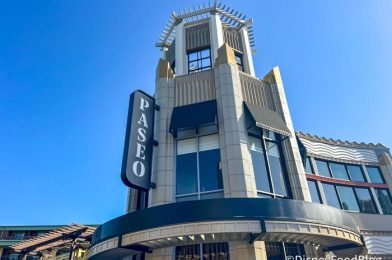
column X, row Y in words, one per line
column 193, row 116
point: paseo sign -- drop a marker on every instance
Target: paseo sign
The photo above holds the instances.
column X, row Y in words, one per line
column 137, row 157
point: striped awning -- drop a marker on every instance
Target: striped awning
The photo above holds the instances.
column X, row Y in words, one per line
column 267, row 119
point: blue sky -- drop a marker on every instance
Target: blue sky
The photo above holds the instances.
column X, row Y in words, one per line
column 67, row 69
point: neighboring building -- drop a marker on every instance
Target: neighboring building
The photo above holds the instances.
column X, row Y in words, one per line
column 232, row 178
column 62, row 242
column 11, row 235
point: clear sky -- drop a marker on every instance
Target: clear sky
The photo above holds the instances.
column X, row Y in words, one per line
column 67, row 69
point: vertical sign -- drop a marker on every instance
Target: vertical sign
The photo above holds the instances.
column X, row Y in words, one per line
column 136, row 164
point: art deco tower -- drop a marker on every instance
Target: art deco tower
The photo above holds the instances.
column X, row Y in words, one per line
column 228, row 178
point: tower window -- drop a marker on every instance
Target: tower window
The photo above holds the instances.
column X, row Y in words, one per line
column 199, row 60
column 239, row 61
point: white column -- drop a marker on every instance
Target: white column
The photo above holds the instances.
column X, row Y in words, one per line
column 216, row 33
column 180, row 50
column 247, row 58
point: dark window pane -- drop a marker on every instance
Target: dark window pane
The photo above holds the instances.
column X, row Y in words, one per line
column 308, row 167
column 277, row 174
column 314, row 191
column 322, row 168
column 259, row 165
column 339, row 171
column 365, row 200
column 188, row 252
column 186, row 173
column 374, row 174
column 385, row 200
column 210, row 173
column 355, row 172
column 269, row 134
column 347, row 198
column 218, row 251
column 331, row 196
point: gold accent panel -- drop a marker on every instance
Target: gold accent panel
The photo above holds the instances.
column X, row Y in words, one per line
column 225, row 55
column 164, row 70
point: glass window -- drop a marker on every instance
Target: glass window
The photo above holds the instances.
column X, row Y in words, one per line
column 210, row 170
column 186, row 173
column 308, row 167
column 267, row 165
column 210, row 251
column 238, row 60
column 347, row 198
column 18, row 235
column 356, row 173
column 277, row 175
column 322, row 168
column 314, row 193
column 199, row 60
column 374, row 174
column 198, row 168
column 339, row 171
column 259, row 165
column 385, row 200
column 278, row 251
column 365, row 200
column 330, row 195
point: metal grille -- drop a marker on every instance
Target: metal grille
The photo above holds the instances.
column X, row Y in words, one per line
column 194, row 88
column 233, row 38
column 256, row 91
column 197, row 36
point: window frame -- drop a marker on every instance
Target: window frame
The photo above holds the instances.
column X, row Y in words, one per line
column 239, row 55
column 379, row 172
column 198, row 193
column 198, row 59
column 389, row 197
column 262, row 137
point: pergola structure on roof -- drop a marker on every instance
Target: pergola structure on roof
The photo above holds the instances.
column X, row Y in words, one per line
column 229, row 16
column 55, row 239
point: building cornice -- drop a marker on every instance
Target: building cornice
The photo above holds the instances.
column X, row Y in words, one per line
column 338, row 142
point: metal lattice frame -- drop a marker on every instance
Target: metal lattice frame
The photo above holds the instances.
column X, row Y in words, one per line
column 229, row 16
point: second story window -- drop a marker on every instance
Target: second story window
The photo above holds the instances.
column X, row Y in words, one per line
column 239, row 61
column 268, row 165
column 374, row 174
column 198, row 170
column 199, row 60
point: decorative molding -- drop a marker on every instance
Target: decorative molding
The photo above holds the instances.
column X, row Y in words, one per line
column 338, row 142
column 229, row 16
column 103, row 246
column 345, row 182
column 175, row 234
column 378, row 245
column 339, row 153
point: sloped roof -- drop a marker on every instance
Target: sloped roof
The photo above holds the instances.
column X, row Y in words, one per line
column 55, row 238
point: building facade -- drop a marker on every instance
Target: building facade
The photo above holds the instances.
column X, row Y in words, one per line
column 231, row 179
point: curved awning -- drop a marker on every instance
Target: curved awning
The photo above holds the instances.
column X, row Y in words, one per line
column 219, row 220
column 267, row 119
